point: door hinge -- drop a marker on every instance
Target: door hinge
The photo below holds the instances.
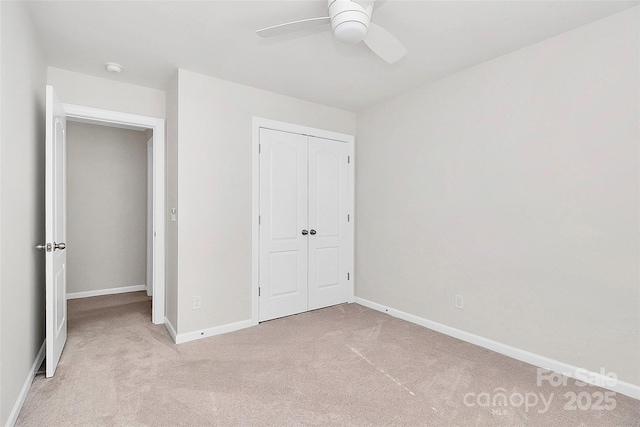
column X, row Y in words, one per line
column 348, row 159
column 348, row 276
column 348, row 218
column 258, row 290
column 259, row 148
column 259, row 220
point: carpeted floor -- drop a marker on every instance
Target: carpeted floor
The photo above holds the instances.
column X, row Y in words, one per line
column 344, row 366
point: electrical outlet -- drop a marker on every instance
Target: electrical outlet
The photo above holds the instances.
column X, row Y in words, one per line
column 197, row 302
column 458, row 302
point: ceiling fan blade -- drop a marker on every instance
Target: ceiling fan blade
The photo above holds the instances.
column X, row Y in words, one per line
column 290, row 27
column 383, row 44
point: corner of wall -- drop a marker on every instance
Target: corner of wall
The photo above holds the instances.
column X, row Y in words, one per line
column 171, row 303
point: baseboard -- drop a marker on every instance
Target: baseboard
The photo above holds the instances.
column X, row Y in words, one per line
column 110, row 291
column 17, row 407
column 170, row 329
column 566, row 369
column 210, row 332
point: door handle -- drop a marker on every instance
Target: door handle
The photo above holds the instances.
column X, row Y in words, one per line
column 305, row 232
column 50, row 248
column 312, row 232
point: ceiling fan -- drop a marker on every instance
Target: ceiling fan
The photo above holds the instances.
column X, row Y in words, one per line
column 351, row 23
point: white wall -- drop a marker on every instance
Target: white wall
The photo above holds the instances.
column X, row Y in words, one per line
column 514, row 183
column 23, row 79
column 2, row 417
column 106, row 207
column 214, row 187
column 106, row 94
column 171, row 248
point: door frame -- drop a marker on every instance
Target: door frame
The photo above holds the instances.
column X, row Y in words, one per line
column 150, row 186
column 262, row 123
column 79, row 113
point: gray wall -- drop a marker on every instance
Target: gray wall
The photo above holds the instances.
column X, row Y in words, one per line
column 514, row 183
column 213, row 165
column 106, row 207
column 23, row 79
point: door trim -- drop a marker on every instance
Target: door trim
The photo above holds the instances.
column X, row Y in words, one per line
column 256, row 125
column 98, row 116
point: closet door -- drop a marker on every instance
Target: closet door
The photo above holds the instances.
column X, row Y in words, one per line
column 330, row 236
column 284, row 215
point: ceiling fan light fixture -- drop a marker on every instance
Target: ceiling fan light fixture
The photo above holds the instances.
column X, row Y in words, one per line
column 349, row 20
column 350, row 23
column 351, row 32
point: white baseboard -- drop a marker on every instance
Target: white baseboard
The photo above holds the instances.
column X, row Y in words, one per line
column 110, row 291
column 566, row 369
column 170, row 329
column 209, row 332
column 17, row 407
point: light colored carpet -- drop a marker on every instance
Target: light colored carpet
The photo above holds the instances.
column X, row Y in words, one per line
column 345, row 366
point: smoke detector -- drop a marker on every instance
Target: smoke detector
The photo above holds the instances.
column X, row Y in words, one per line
column 113, row 68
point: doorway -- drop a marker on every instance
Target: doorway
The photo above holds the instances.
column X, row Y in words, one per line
column 155, row 128
column 108, row 219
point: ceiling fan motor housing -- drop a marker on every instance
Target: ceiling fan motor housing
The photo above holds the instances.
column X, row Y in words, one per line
column 349, row 20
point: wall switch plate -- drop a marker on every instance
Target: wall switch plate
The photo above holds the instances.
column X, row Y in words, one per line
column 458, row 302
column 196, row 303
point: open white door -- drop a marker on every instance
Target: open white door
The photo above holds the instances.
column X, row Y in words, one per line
column 55, row 231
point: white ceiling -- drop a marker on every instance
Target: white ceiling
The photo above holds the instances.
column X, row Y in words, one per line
column 151, row 39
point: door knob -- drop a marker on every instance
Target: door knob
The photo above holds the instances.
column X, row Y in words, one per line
column 305, row 232
column 312, row 232
column 50, row 248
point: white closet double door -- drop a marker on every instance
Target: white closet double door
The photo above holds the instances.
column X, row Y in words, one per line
column 306, row 229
